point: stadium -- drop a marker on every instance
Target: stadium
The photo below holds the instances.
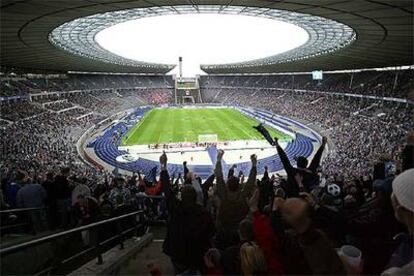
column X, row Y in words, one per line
column 207, row 137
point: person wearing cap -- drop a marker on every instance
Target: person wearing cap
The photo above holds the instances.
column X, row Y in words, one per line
column 403, row 203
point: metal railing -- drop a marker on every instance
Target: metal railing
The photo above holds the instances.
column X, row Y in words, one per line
column 20, row 210
column 95, row 247
column 19, row 220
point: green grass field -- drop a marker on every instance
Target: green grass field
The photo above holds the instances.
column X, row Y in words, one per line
column 172, row 125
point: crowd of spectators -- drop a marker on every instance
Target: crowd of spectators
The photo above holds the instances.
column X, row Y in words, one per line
column 295, row 226
column 46, row 98
column 361, row 129
column 37, row 144
column 158, row 96
column 11, row 88
column 351, row 213
column 396, row 83
column 23, row 84
column 15, row 111
column 99, row 102
column 4, row 123
column 64, row 197
column 58, row 105
column 40, row 141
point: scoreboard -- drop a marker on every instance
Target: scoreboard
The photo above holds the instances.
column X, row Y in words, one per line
column 186, row 83
column 317, row 75
column 187, row 90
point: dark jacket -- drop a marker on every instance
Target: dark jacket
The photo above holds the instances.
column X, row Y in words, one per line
column 332, row 221
column 62, row 188
column 404, row 253
column 372, row 229
column 189, row 230
column 266, row 192
column 306, row 253
column 407, row 157
column 319, row 253
column 310, row 177
column 11, row 194
column 233, row 207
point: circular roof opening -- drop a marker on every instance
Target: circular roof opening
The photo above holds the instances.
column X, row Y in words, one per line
column 200, row 39
column 224, row 37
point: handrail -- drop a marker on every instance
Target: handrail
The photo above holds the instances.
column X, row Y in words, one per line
column 21, row 210
column 14, row 248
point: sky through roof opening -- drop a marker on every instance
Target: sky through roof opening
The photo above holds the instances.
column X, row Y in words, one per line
column 200, row 39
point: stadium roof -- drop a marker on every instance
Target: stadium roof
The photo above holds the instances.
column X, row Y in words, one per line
column 383, row 30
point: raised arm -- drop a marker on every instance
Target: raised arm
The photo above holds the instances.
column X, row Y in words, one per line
column 231, row 171
column 177, row 180
column 186, row 170
column 206, row 186
column 251, row 181
column 218, row 171
column 318, row 155
column 266, row 174
column 208, row 183
column 283, row 157
column 172, row 179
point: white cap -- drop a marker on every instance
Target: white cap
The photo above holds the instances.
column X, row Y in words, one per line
column 403, row 189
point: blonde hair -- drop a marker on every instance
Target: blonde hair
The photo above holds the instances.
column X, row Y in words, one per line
column 252, row 259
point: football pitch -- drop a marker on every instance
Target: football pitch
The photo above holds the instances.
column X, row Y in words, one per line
column 171, row 125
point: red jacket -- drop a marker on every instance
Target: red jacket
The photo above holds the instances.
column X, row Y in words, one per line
column 154, row 190
column 268, row 242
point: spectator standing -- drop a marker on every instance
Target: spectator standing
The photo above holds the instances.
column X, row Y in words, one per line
column 189, row 227
column 49, row 186
column 119, row 196
column 80, row 189
column 12, row 189
column 63, row 192
column 308, row 173
column 86, row 211
column 264, row 237
column 32, row 195
column 304, row 249
column 233, row 207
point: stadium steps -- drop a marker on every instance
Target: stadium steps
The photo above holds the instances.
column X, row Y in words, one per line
column 152, row 254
